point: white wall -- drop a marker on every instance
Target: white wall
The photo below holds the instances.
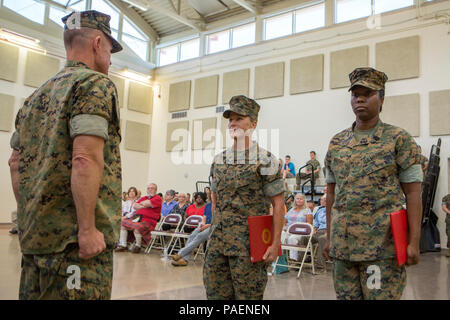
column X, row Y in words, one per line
column 307, row 121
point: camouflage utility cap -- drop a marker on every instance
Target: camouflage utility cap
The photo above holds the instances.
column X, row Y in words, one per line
column 94, row 20
column 243, row 106
column 367, row 77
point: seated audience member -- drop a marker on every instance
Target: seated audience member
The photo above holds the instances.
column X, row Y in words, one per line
column 169, row 203
column 139, row 194
column 320, row 232
column 298, row 213
column 207, row 191
column 288, row 199
column 179, row 208
column 312, row 206
column 160, row 195
column 128, row 210
column 197, row 237
column 288, row 168
column 148, row 212
column 197, row 208
column 124, row 197
column 307, row 174
column 188, row 198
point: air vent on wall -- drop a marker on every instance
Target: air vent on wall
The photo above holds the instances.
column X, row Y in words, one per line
column 178, row 115
column 220, row 109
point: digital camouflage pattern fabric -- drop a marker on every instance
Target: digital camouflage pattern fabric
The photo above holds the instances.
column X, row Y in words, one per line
column 53, row 277
column 94, row 20
column 46, row 210
column 234, row 277
column 244, row 182
column 244, row 106
column 367, row 77
column 367, row 190
column 371, row 280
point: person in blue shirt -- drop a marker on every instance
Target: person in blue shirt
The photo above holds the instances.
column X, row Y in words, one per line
column 197, row 237
column 288, row 168
column 169, row 202
column 320, row 232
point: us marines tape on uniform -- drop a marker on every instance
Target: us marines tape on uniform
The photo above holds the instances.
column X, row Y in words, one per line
column 76, row 101
column 244, row 182
column 367, row 168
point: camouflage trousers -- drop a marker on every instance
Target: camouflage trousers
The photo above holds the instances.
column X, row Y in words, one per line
column 369, row 280
column 64, row 276
column 447, row 222
column 233, row 277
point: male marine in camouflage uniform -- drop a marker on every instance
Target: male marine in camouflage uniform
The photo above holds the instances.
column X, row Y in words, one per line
column 446, row 208
column 66, row 145
column 373, row 166
column 307, row 174
column 245, row 180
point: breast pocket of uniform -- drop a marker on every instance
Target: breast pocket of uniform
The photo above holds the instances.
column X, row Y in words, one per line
column 248, row 184
column 379, row 167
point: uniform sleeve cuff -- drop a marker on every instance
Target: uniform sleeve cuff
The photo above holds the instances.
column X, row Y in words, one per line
column 89, row 124
column 273, row 188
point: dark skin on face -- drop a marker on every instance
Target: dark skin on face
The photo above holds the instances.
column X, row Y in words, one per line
column 366, row 104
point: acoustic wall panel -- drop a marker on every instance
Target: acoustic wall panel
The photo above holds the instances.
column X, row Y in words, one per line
column 9, row 58
column 440, row 113
column 137, row 137
column 39, row 68
column 180, row 96
column 204, row 134
column 399, row 59
column 307, row 74
column 343, row 62
column 206, row 91
column 140, row 98
column 235, row 83
column 120, row 85
column 224, row 132
column 6, row 112
column 269, row 80
column 177, row 136
column 404, row 112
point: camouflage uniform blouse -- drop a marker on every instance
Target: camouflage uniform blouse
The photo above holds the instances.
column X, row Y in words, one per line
column 77, row 100
column 367, row 190
column 244, row 183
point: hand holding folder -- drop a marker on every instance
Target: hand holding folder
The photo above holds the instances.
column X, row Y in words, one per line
column 261, row 236
column 399, row 227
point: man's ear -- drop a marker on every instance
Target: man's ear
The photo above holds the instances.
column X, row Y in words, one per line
column 96, row 43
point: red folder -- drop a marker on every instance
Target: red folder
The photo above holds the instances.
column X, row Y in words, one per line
column 261, row 236
column 399, row 226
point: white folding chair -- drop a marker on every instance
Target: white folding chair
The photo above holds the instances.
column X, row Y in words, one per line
column 299, row 229
column 158, row 235
column 191, row 222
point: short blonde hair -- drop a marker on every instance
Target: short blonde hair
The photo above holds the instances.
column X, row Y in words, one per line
column 304, row 201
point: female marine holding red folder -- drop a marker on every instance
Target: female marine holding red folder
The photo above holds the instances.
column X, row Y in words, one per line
column 245, row 180
column 374, row 167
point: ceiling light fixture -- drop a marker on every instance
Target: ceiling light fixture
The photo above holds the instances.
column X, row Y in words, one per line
column 21, row 40
column 133, row 75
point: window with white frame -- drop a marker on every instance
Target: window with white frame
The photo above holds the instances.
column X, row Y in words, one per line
column 30, row 9
column 278, row 26
column 189, row 49
column 168, row 55
column 218, row 41
column 104, row 7
column 134, row 39
column 347, row 10
column 380, row 6
column 243, row 35
column 56, row 14
column 309, row 18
